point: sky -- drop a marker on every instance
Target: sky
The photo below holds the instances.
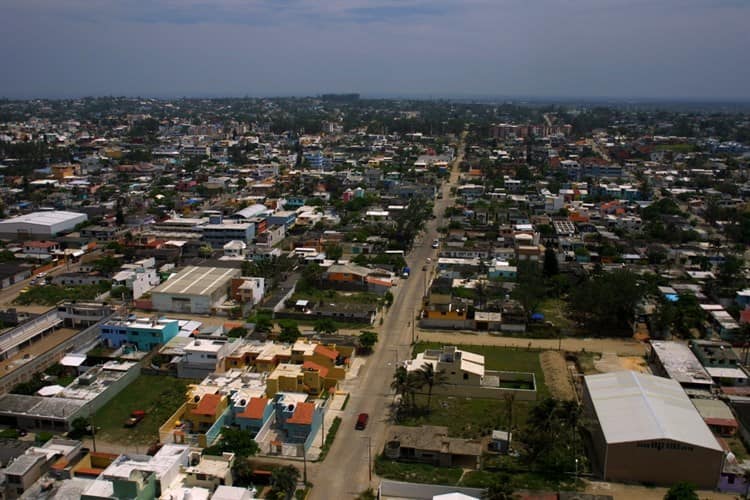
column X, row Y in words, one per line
column 675, row 49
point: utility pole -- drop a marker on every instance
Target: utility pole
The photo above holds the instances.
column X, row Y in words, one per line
column 93, row 431
column 322, row 429
column 304, row 464
column 369, row 455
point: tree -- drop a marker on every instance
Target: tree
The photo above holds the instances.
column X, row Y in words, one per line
column 499, row 489
column 550, row 436
column 235, row 441
column 284, row 481
column 431, row 378
column 326, row 326
column 367, row 340
column 333, row 251
column 262, row 322
column 530, row 289
column 399, row 382
column 551, row 266
column 107, row 264
column 237, row 331
column 681, row 491
column 607, row 300
column 289, row 332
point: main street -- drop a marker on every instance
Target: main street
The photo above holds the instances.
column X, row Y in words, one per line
column 344, row 473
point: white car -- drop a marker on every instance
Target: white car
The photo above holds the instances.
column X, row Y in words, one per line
column 435, row 244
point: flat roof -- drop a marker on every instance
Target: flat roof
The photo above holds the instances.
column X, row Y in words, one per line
column 194, row 280
column 632, row 406
column 45, row 218
column 680, row 362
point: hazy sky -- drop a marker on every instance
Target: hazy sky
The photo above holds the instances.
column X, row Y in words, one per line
column 557, row 48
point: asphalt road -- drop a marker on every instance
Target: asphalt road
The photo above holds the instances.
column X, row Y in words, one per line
column 345, row 471
column 9, row 294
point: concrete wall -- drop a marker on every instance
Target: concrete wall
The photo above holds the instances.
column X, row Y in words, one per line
column 663, row 465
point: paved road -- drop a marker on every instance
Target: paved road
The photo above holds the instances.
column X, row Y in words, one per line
column 9, row 294
column 344, row 473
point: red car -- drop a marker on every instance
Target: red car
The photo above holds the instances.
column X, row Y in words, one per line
column 362, row 421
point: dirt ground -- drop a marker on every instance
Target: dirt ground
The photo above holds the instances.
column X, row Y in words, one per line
column 622, row 347
column 556, row 375
column 627, row 491
column 611, row 362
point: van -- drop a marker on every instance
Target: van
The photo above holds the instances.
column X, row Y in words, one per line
column 362, row 421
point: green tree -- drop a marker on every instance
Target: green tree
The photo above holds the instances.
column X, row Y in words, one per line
column 237, row 331
column 284, row 481
column 289, row 332
column 499, row 489
column 333, row 251
column 431, row 379
column 551, row 266
column 368, row 494
column 107, row 264
column 681, row 491
column 530, row 289
column 262, row 322
column 607, row 300
column 235, row 441
column 325, row 326
column 367, row 340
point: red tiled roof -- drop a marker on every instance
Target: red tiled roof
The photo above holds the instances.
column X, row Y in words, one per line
column 309, row 365
column 254, row 409
column 303, row 414
column 207, row 405
column 723, row 422
column 325, row 351
column 40, row 244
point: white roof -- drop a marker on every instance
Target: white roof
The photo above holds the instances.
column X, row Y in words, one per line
column 73, row 359
column 50, row 390
column 632, row 406
column 46, row 217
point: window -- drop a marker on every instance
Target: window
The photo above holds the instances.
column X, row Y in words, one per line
column 466, row 376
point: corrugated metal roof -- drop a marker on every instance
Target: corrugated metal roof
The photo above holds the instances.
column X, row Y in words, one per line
column 634, row 406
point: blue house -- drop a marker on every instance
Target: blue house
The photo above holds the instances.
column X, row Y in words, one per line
column 142, row 332
column 253, row 414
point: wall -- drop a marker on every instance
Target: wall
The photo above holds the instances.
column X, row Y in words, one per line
column 630, row 462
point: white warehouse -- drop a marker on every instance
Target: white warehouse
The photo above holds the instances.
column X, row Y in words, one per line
column 194, row 290
column 40, row 225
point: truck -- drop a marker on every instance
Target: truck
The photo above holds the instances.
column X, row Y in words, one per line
column 406, row 273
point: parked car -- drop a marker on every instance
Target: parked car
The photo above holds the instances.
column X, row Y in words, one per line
column 362, row 421
column 435, row 243
column 135, row 417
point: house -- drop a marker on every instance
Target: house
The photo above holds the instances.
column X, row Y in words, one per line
column 40, row 250
column 720, row 361
column 203, row 356
column 717, row 415
column 235, row 249
column 13, row 273
column 465, row 374
column 251, row 415
column 248, row 290
column 431, row 444
column 210, row 472
column 144, row 333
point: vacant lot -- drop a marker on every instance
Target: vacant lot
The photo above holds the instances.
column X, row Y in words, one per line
column 158, row 396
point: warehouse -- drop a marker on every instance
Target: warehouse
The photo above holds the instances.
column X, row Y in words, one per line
column 194, row 290
column 40, row 225
column 645, row 429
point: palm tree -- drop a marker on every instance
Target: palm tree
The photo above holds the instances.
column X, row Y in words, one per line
column 399, row 382
column 284, row 481
column 431, row 378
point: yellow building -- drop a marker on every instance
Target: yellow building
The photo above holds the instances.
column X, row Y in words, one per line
column 191, row 421
column 308, row 377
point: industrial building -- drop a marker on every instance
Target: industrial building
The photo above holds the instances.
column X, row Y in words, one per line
column 645, row 429
column 40, row 225
column 194, row 290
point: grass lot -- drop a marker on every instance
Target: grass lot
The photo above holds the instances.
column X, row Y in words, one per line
column 49, row 295
column 676, row 148
column 418, row 473
column 473, row 417
column 555, row 311
column 519, row 480
column 738, row 448
column 159, row 396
